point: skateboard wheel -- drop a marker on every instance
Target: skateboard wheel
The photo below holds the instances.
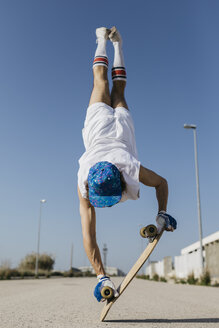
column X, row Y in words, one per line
column 148, row 231
column 107, row 292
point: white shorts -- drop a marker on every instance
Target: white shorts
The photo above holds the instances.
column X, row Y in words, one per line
column 103, row 124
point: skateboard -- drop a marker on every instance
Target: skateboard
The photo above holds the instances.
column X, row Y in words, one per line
column 149, row 232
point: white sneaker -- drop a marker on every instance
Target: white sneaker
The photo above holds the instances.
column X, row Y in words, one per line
column 102, row 32
column 114, row 35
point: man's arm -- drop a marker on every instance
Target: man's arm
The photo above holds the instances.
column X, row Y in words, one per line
column 151, row 179
column 88, row 222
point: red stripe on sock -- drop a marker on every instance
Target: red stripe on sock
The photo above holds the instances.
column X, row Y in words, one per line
column 99, row 59
column 119, row 72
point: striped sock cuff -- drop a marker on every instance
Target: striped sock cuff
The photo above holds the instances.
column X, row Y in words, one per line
column 100, row 61
column 118, row 73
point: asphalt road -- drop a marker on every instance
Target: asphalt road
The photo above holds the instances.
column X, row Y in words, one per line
column 69, row 302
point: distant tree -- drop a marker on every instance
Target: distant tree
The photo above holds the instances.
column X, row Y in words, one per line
column 155, row 277
column 191, row 280
column 205, row 279
column 28, row 263
column 46, row 262
column 5, row 264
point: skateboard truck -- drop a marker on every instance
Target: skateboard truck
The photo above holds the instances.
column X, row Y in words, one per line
column 149, row 232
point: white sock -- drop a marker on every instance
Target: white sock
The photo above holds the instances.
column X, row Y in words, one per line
column 100, row 58
column 118, row 70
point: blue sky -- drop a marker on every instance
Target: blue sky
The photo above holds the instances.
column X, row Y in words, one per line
column 171, row 53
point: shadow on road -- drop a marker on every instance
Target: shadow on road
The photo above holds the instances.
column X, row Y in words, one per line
column 198, row 320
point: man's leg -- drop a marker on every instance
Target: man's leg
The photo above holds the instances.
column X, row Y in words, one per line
column 118, row 71
column 100, row 92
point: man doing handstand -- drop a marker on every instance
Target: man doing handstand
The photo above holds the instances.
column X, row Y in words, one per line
column 109, row 170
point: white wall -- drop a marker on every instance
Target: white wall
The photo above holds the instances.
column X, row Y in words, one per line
column 162, row 268
column 188, row 263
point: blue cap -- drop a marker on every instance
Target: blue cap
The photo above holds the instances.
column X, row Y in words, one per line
column 104, row 185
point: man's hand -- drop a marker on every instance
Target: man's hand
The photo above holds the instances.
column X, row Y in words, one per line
column 104, row 281
column 165, row 221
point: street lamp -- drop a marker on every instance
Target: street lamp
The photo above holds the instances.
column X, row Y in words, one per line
column 38, row 241
column 193, row 127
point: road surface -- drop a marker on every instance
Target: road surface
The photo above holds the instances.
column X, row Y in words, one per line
column 68, row 302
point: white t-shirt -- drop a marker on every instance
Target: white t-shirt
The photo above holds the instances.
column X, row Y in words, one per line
column 109, row 135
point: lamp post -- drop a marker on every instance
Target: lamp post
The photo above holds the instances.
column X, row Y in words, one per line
column 71, row 259
column 38, row 240
column 193, row 127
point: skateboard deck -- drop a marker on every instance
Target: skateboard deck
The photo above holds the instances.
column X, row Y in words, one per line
column 131, row 274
